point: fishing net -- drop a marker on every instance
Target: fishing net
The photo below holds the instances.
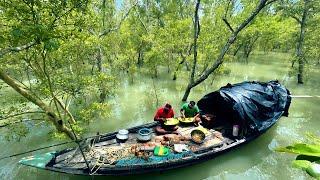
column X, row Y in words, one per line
column 152, row 159
column 110, row 154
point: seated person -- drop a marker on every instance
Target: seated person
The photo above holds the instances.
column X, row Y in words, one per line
column 206, row 120
column 211, row 121
column 162, row 114
column 189, row 110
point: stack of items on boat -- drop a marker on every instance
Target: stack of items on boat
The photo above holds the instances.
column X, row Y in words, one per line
column 145, row 146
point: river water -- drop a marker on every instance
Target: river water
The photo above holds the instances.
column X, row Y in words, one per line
column 135, row 102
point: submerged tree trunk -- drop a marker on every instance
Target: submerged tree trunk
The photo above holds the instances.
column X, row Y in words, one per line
column 195, row 52
column 300, row 53
column 52, row 116
column 140, row 58
column 101, row 69
column 231, row 40
column 183, row 60
column 248, row 47
column 237, row 50
column 155, row 72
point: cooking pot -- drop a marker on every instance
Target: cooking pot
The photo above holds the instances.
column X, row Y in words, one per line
column 171, row 122
column 198, row 136
column 144, row 134
column 122, row 135
column 186, row 120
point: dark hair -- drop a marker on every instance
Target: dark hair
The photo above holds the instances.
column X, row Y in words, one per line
column 192, row 103
column 167, row 106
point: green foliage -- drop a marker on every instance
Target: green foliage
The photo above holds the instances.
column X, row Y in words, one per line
column 303, row 164
column 94, row 111
column 309, row 155
column 84, row 48
column 304, row 149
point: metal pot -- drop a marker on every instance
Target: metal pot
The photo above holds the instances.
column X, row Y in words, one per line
column 198, row 136
column 144, row 134
column 123, row 135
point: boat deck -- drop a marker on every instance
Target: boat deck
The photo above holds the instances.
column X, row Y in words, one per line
column 110, row 153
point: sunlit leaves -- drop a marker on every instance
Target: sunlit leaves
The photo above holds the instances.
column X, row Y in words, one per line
column 308, row 153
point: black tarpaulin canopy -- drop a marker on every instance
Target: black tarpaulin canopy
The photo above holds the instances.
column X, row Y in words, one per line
column 257, row 105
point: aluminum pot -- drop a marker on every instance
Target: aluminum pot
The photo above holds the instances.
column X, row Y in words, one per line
column 123, row 135
column 144, row 134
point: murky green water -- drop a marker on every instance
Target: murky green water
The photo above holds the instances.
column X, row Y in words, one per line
column 134, row 104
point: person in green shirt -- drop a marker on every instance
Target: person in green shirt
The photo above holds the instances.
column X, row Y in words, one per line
column 189, row 110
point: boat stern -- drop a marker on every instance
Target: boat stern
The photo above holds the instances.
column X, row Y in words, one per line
column 38, row 160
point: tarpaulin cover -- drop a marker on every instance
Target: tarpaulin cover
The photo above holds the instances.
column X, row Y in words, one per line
column 257, row 105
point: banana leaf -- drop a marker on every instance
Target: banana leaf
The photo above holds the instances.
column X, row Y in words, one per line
column 301, row 148
column 308, row 158
column 303, row 164
column 313, row 169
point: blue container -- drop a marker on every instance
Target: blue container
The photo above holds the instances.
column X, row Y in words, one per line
column 144, row 134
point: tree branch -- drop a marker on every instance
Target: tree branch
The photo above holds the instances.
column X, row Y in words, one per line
column 144, row 26
column 16, row 49
column 64, row 107
column 28, row 95
column 62, row 15
column 269, row 2
column 225, row 14
column 228, row 24
column 107, row 31
column 195, row 38
column 224, row 50
column 296, row 18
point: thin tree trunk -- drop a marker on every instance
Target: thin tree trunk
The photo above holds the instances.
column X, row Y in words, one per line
column 300, row 54
column 249, row 47
column 100, row 60
column 52, row 116
column 195, row 53
column 231, row 40
column 183, row 59
column 195, row 40
column 155, row 71
column 186, row 93
column 101, row 69
column 140, row 58
column 237, row 50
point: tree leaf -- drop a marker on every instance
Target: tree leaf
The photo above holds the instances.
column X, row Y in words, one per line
column 314, row 170
column 300, row 148
column 303, row 164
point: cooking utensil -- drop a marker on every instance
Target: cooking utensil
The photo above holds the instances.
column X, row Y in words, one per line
column 171, row 122
column 122, row 135
column 198, row 136
column 185, row 120
column 144, row 134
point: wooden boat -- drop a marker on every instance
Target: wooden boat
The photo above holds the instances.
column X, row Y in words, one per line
column 105, row 155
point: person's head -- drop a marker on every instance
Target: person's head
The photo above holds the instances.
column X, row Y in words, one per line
column 167, row 107
column 191, row 104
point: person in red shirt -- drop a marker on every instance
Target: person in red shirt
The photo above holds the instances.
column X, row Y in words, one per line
column 162, row 114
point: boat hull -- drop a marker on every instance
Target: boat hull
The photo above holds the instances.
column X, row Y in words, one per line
column 201, row 156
